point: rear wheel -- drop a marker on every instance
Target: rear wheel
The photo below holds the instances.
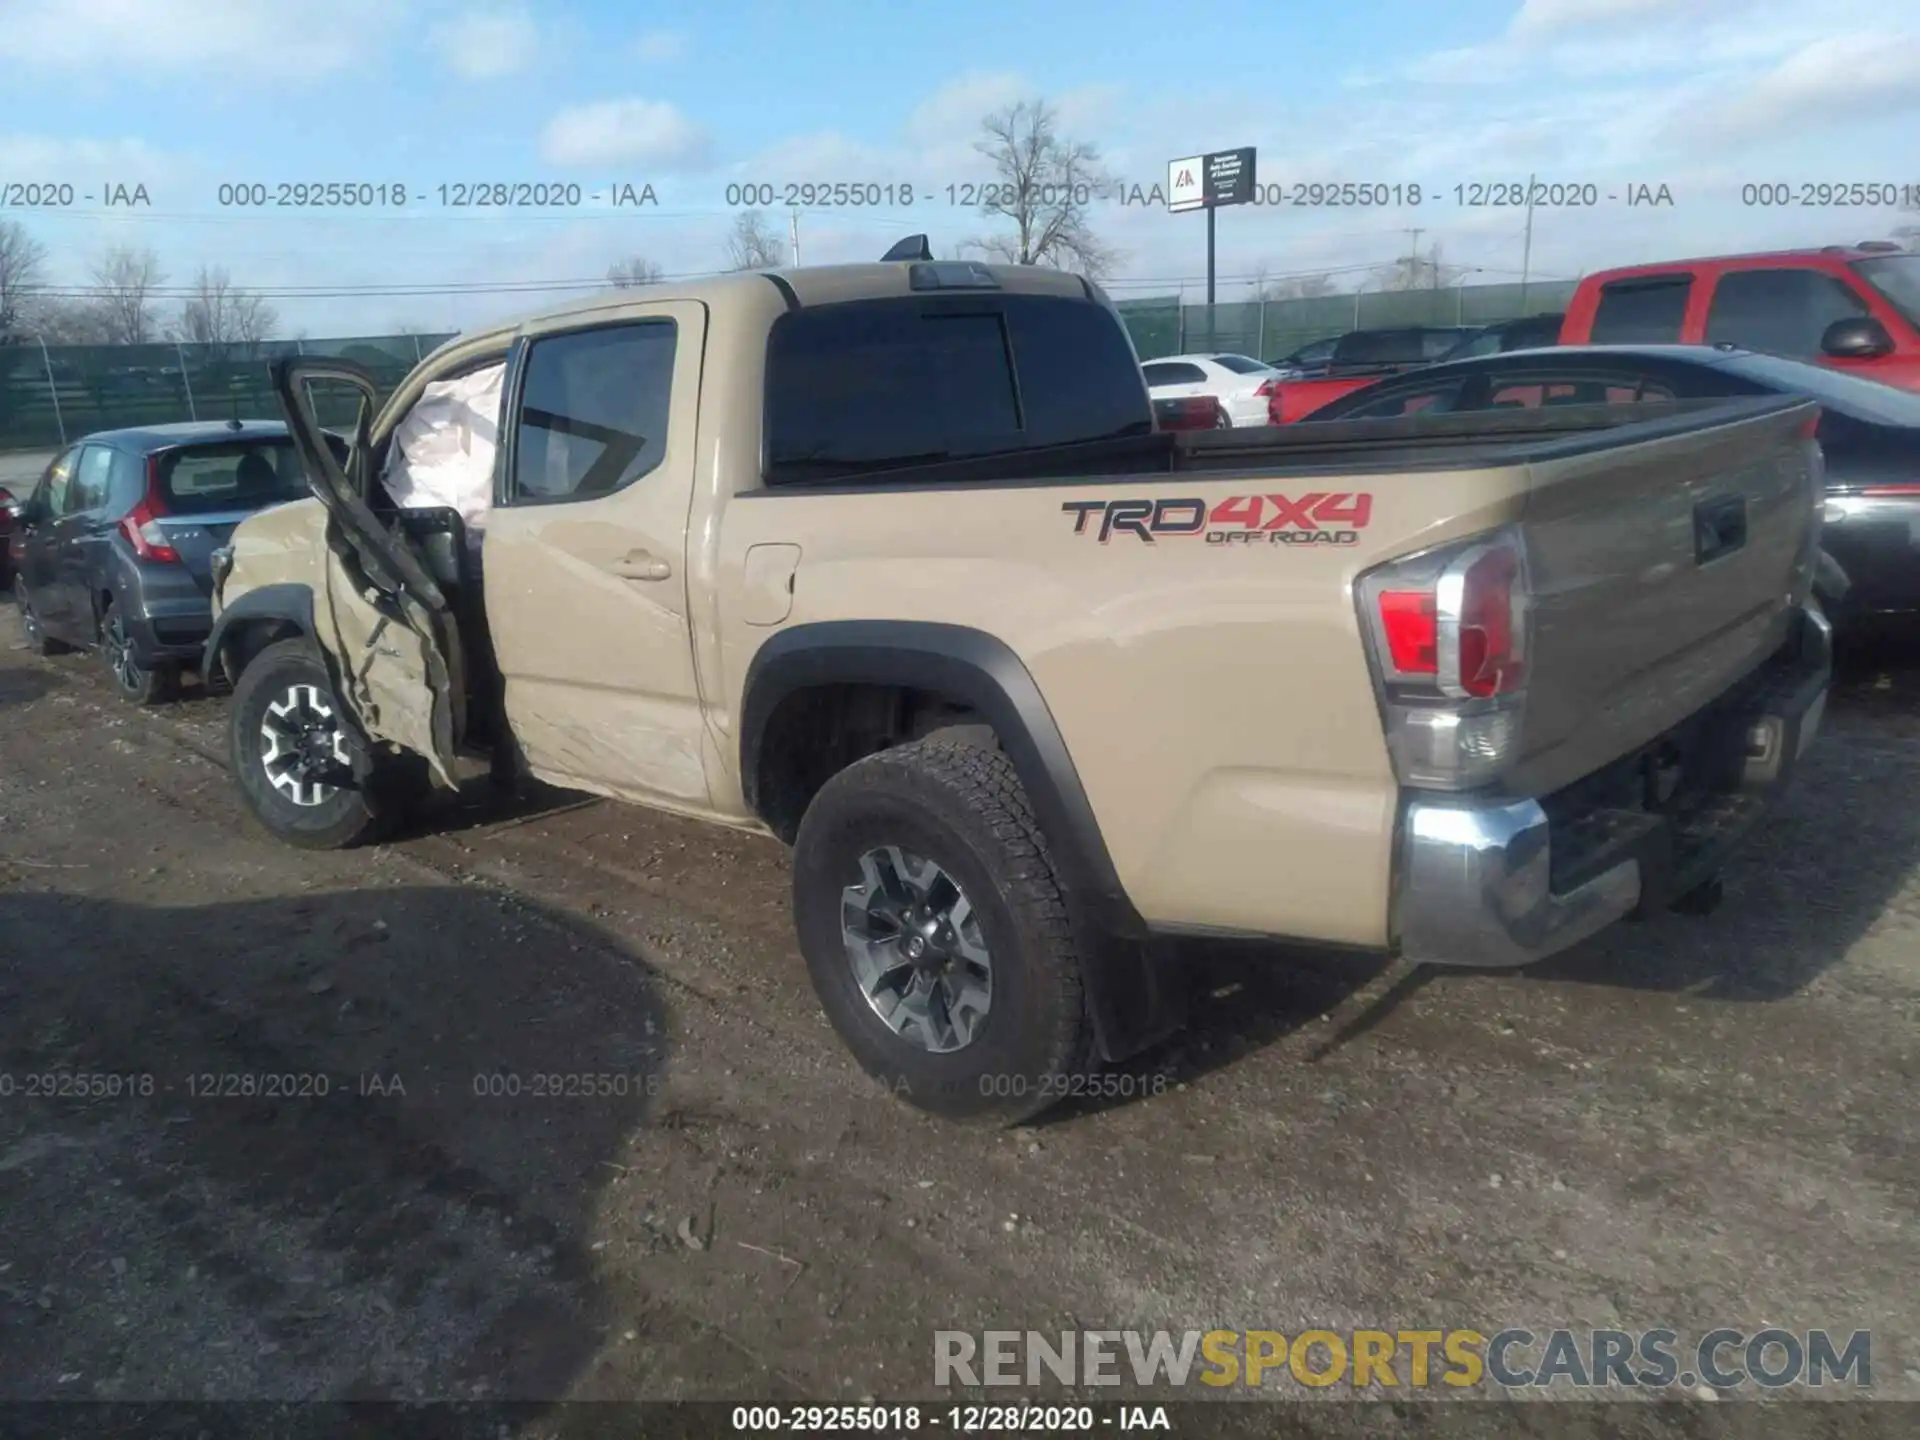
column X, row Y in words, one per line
column 935, row 933
column 142, row 684
column 292, row 754
column 38, row 641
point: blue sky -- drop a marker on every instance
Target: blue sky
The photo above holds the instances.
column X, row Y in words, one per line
column 1702, row 96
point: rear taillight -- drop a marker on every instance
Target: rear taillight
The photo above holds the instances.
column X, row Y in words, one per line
column 1277, row 407
column 1890, row 491
column 1450, row 631
column 1195, row 412
column 141, row 525
column 1267, row 388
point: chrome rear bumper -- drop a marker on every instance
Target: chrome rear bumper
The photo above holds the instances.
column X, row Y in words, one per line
column 1476, row 888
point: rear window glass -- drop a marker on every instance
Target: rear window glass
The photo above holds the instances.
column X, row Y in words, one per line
column 1378, row 347
column 1239, row 364
column 867, row 386
column 1641, row 312
column 237, row 475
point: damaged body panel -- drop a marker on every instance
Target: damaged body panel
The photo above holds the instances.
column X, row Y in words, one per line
column 378, row 614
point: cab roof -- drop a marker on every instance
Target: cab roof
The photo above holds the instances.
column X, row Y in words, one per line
column 1813, row 256
column 803, row 286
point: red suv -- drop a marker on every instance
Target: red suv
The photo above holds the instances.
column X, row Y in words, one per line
column 1852, row 307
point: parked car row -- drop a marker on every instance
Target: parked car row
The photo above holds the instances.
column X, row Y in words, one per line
column 111, row 549
column 1854, row 308
column 1840, row 324
column 1869, row 435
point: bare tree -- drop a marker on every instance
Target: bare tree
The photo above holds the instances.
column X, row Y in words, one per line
column 638, row 270
column 1909, row 234
column 1046, row 185
column 125, row 280
column 62, row 321
column 23, row 263
column 752, row 243
column 219, row 314
column 1293, row 287
column 1415, row 271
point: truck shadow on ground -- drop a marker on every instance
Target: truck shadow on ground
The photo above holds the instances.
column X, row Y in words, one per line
column 297, row 1148
column 1816, row 874
column 23, row 687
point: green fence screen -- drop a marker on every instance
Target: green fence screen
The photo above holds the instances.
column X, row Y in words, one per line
column 1278, row 327
column 52, row 395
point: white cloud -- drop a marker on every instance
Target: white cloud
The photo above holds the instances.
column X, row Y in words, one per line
column 1870, row 75
column 627, row 131
column 224, row 37
column 78, row 159
column 485, row 43
column 1551, row 17
column 660, row 47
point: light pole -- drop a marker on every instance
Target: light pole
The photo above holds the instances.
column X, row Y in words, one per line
column 53, row 389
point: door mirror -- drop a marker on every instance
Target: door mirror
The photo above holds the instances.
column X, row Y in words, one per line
column 1857, row 338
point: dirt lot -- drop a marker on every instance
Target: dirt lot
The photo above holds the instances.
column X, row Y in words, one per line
column 1691, row 1123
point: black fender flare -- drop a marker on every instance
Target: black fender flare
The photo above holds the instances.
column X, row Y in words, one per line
column 286, row 603
column 1132, row 999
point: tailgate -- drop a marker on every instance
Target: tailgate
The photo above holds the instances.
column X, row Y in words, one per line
column 1662, row 570
column 195, row 537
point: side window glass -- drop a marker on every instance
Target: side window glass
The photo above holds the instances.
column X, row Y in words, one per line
column 1417, row 402
column 1642, row 312
column 88, row 492
column 1534, row 391
column 1784, row 312
column 59, row 480
column 591, row 416
column 125, row 483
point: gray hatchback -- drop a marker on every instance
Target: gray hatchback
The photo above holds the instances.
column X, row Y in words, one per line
column 113, row 545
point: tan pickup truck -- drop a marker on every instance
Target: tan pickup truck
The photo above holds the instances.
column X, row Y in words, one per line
column 888, row 560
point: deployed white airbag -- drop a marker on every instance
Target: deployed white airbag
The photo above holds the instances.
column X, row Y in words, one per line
column 442, row 453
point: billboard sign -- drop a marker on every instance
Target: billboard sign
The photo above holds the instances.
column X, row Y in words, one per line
column 1206, row 182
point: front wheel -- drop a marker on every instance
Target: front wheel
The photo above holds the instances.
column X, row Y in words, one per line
column 292, row 755
column 935, row 932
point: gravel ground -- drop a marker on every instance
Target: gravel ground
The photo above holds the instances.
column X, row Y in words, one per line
column 1688, row 1123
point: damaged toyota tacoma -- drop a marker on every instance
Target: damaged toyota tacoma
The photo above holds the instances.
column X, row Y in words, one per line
column 890, row 561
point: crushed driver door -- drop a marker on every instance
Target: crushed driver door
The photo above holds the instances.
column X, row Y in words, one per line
column 385, row 627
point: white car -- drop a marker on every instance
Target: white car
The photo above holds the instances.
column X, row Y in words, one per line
column 1240, row 383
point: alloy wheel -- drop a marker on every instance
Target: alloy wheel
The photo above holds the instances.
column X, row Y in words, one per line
column 29, row 622
column 303, row 748
column 120, row 659
column 916, row 949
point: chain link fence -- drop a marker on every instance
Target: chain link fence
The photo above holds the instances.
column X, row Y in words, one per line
column 1278, row 327
column 55, row 393
column 50, row 394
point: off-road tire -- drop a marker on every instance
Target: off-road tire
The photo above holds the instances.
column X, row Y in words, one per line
column 132, row 681
column 962, row 806
column 346, row 818
column 38, row 641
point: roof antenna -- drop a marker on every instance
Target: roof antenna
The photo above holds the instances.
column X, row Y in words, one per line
column 914, row 247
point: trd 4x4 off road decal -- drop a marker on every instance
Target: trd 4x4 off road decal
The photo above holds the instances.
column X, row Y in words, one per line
column 1335, row 518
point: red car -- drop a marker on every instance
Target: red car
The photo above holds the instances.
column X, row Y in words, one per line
column 1854, row 308
column 9, row 513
